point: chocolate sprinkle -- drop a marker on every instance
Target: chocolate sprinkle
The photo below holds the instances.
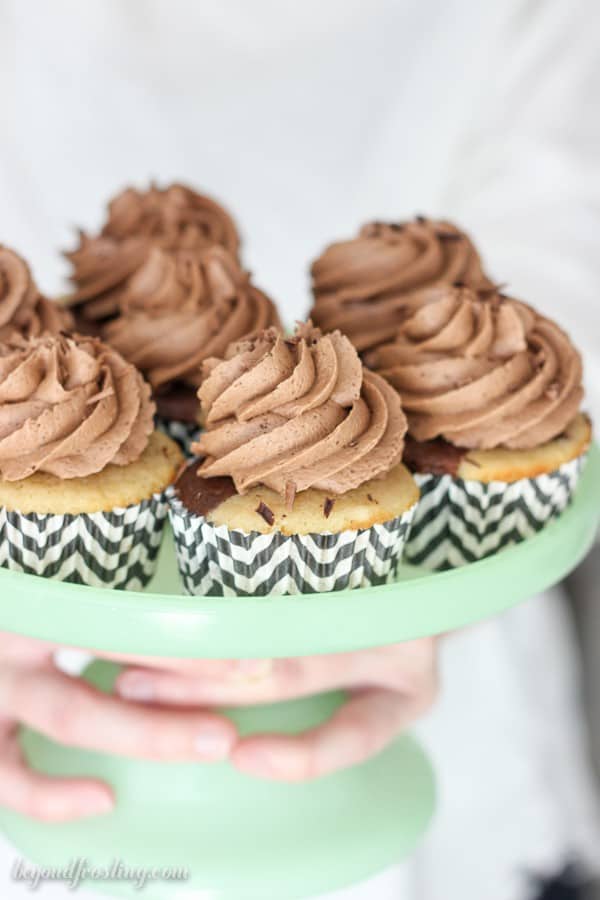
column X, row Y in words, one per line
column 263, row 510
column 328, row 506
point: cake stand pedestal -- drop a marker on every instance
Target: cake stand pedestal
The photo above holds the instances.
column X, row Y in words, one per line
column 239, row 837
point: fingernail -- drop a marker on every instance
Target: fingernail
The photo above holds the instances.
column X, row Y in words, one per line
column 212, row 745
column 96, row 804
column 252, row 669
column 136, row 687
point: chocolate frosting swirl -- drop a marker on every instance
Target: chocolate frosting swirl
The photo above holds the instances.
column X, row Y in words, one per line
column 365, row 286
column 173, row 218
column 482, row 371
column 69, row 406
column 23, row 310
column 300, row 413
column 176, row 218
column 181, row 308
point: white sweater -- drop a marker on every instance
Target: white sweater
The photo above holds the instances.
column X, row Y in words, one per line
column 306, row 119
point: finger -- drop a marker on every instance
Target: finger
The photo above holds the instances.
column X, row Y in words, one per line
column 401, row 667
column 249, row 682
column 24, row 650
column 71, row 712
column 210, row 668
column 48, row 799
column 360, row 729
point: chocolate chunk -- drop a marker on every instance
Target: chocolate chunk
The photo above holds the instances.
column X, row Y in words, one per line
column 202, row 495
column 436, row 457
column 179, row 403
column 328, row 506
column 263, row 510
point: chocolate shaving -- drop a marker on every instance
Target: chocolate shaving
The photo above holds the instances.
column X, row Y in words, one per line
column 328, row 506
column 421, row 219
column 290, row 493
column 396, row 226
column 473, row 462
column 263, row 510
column 449, row 236
column 459, row 284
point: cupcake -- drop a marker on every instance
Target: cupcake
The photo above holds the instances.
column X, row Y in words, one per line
column 173, row 218
column 146, row 273
column 24, row 312
column 82, row 472
column 492, row 392
column 178, row 309
column 365, row 286
column 300, row 486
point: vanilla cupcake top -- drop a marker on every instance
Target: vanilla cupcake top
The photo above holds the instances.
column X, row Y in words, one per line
column 23, row 310
column 180, row 308
column 173, row 218
column 482, row 371
column 69, row 406
column 295, row 414
column 364, row 286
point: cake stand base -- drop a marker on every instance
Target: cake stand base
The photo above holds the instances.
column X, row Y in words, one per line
column 239, row 838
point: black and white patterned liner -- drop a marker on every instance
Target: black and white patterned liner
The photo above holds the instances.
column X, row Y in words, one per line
column 458, row 522
column 116, row 549
column 216, row 561
column 183, row 433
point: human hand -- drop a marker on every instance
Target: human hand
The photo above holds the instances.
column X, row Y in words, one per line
column 34, row 692
column 388, row 689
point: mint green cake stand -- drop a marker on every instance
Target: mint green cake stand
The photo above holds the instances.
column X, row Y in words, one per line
column 242, row 838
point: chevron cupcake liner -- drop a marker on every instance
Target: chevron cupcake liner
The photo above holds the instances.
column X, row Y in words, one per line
column 116, row 549
column 216, row 561
column 183, row 433
column 457, row 522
